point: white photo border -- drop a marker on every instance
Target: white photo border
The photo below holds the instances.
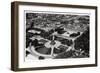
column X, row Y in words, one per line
column 60, row 62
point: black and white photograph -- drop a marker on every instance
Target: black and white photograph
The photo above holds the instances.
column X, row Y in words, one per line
column 53, row 36
column 57, row 36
